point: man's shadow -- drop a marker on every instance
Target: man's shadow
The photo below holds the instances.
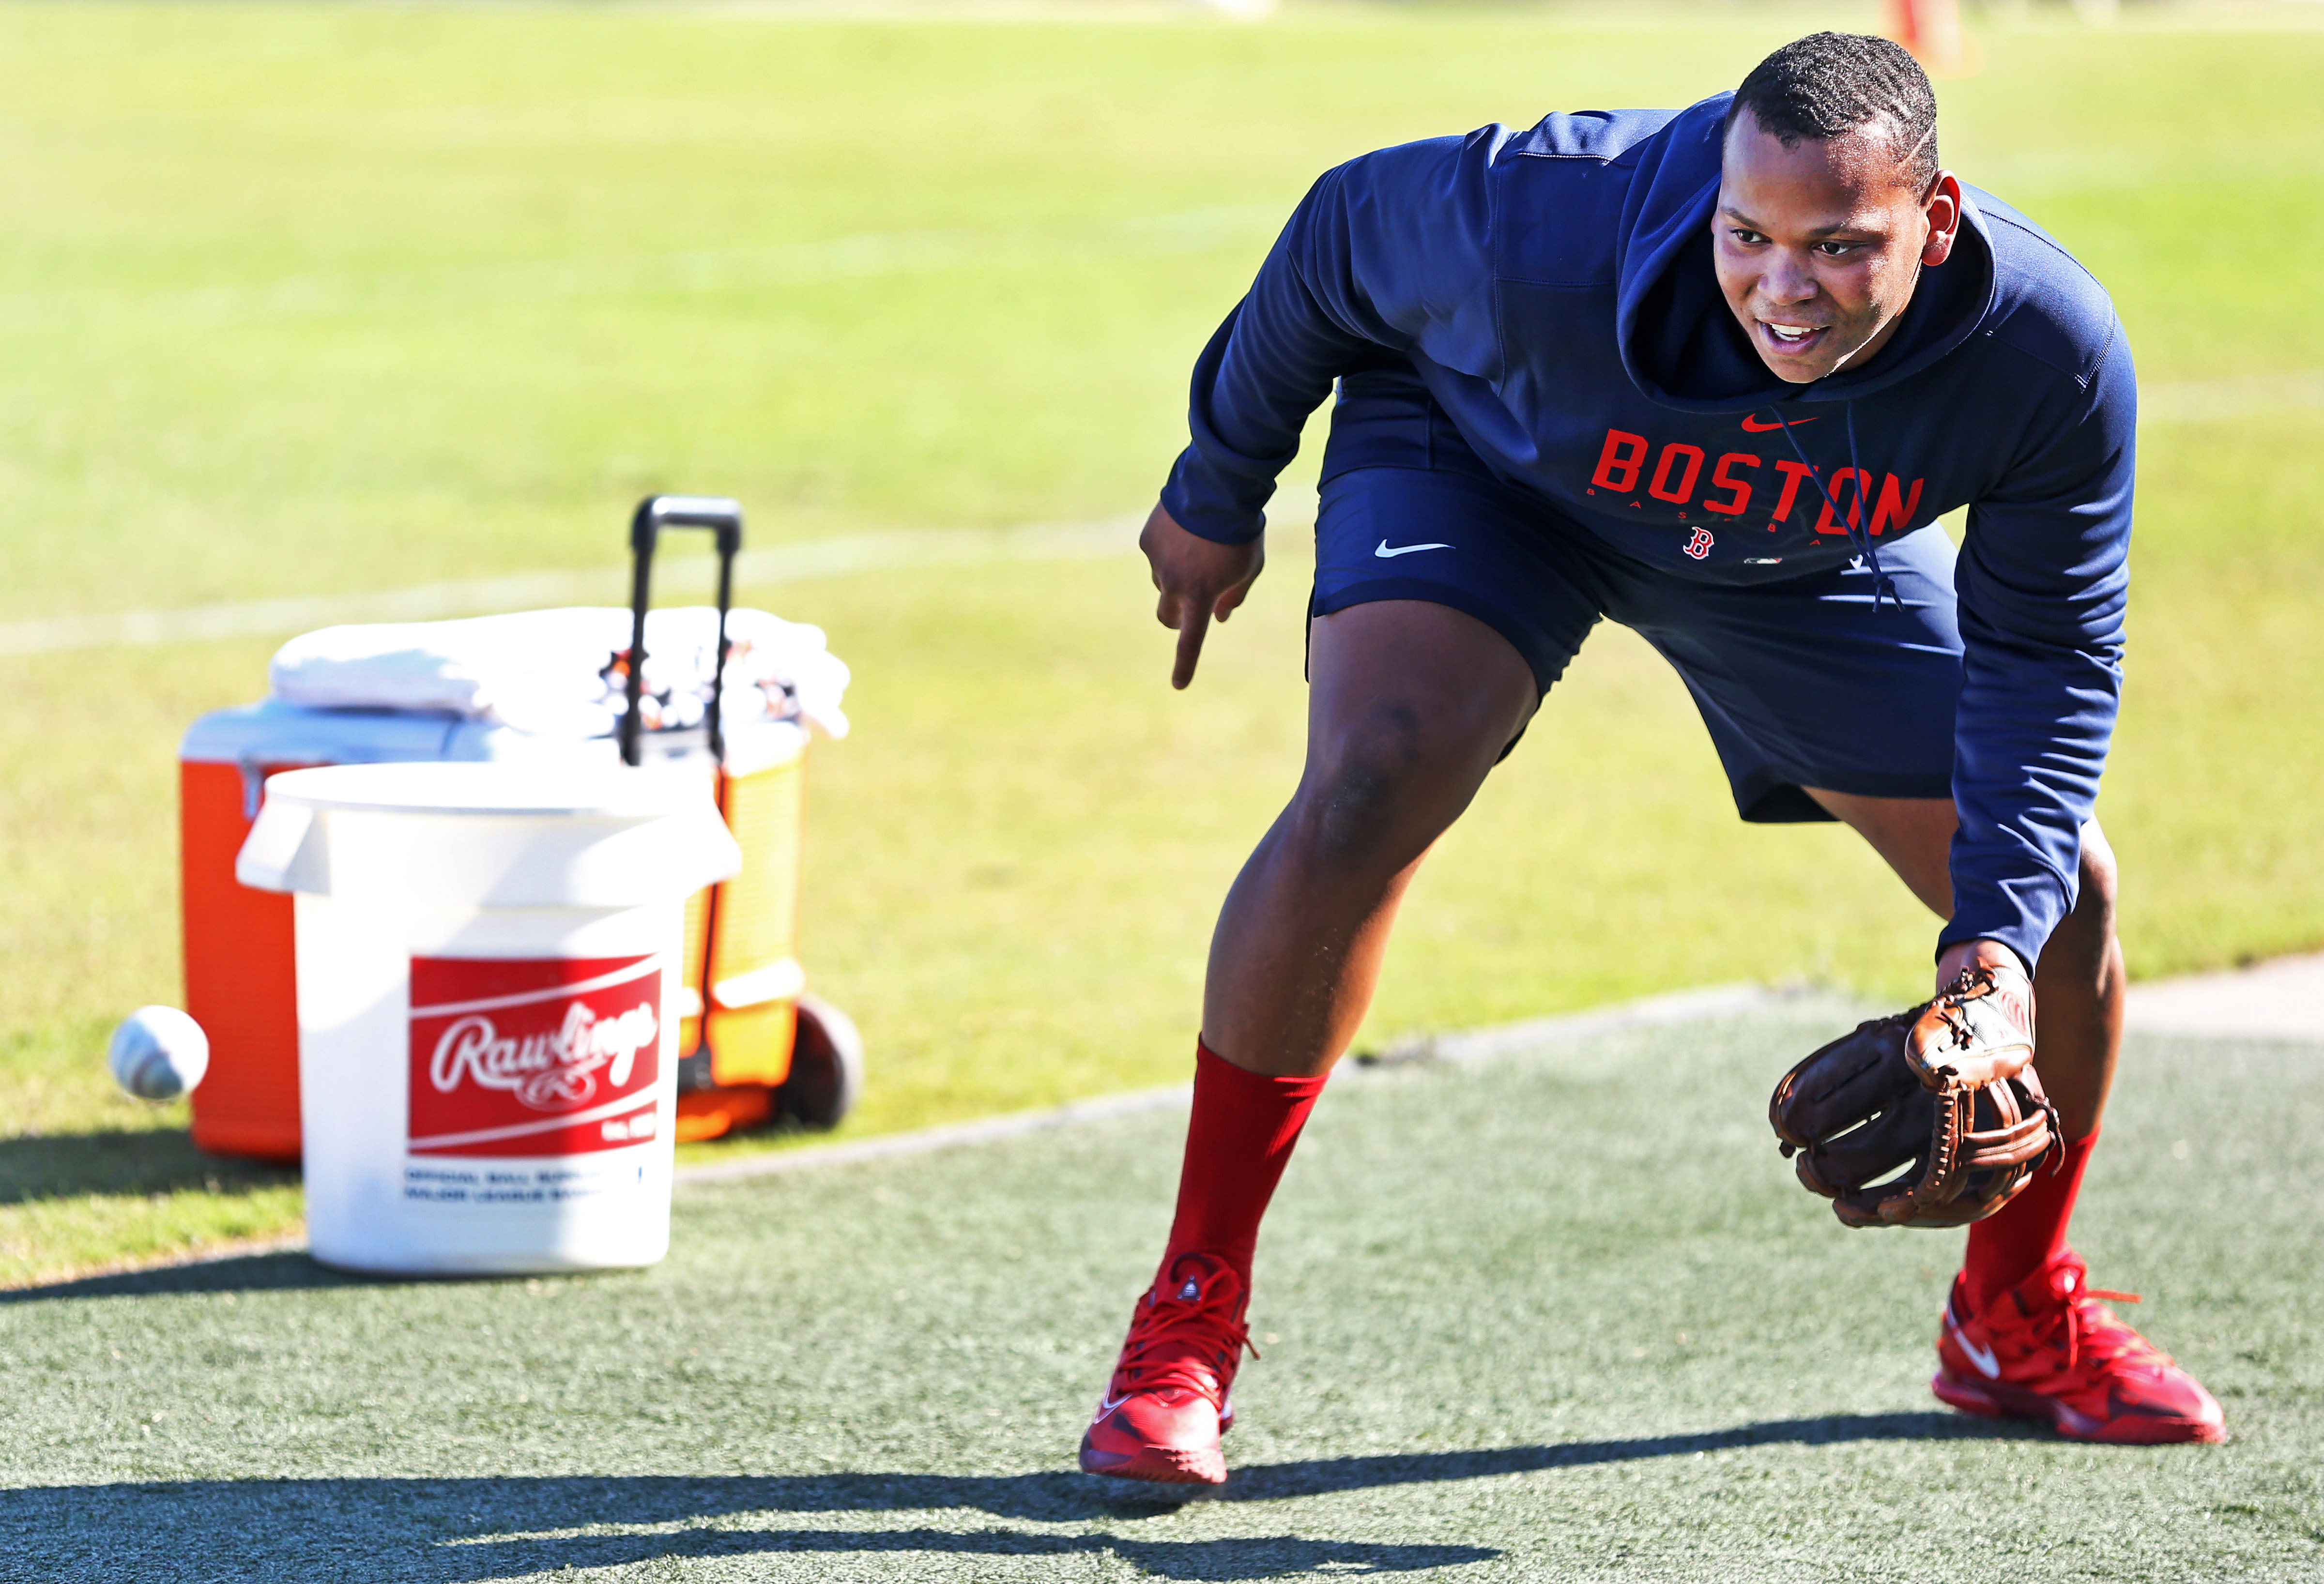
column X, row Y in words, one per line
column 466, row 1531
column 1269, row 1556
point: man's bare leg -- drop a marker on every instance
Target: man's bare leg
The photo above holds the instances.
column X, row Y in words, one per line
column 2078, row 985
column 1409, row 706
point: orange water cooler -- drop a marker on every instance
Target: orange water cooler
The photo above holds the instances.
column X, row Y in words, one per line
column 753, row 1044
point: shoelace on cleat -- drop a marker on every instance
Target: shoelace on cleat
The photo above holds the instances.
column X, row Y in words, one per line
column 1191, row 1342
column 2094, row 1334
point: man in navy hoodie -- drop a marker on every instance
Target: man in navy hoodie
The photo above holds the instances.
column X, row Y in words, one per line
column 1713, row 374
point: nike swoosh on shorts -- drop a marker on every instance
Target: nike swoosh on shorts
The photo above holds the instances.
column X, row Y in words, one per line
column 1387, row 554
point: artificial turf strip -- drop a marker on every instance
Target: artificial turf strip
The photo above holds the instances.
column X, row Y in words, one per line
column 1556, row 1316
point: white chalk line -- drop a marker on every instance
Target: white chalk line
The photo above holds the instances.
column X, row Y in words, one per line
column 2162, row 403
column 1533, row 1034
column 1527, row 1036
column 895, row 549
column 2283, row 999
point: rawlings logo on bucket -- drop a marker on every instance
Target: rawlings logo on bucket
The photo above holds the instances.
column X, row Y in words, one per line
column 533, row 1056
column 552, row 1071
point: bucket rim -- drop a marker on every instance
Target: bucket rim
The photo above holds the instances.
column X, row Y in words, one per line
column 473, row 789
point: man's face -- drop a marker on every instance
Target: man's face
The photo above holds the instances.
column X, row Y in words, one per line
column 1818, row 245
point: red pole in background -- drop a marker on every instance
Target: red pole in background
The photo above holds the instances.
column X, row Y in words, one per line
column 1931, row 30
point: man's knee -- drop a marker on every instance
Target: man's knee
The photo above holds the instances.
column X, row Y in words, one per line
column 1381, row 787
column 1409, row 704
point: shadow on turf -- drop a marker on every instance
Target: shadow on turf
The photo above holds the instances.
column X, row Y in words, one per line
column 468, row 1531
column 279, row 1271
column 1266, row 1556
column 284, row 1270
column 240, row 1273
column 160, row 1160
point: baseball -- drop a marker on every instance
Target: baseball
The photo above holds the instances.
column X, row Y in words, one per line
column 158, row 1052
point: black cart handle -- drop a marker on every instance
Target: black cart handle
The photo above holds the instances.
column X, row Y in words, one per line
column 723, row 518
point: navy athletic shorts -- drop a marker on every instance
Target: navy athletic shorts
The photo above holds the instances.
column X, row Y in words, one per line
column 1801, row 682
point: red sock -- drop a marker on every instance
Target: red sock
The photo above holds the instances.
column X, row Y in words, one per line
column 1238, row 1142
column 2026, row 1234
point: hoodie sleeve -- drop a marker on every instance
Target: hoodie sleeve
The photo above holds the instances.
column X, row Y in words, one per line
column 2043, row 578
column 1388, row 250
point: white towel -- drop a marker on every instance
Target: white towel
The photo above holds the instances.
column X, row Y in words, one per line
column 556, row 673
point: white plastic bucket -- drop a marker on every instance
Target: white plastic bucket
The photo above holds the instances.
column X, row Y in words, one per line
column 488, row 966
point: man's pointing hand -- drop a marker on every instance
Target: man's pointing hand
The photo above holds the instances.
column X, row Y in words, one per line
column 1200, row 579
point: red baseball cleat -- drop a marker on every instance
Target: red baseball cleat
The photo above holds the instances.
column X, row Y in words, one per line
column 1167, row 1405
column 2048, row 1350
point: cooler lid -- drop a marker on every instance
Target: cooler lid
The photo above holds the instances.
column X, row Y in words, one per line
column 272, row 731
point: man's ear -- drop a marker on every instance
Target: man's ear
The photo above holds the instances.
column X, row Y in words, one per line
column 1942, row 205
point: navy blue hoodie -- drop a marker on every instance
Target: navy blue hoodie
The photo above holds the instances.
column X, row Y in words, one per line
column 1553, row 290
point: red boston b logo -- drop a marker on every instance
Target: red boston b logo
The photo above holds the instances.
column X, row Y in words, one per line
column 1700, row 545
column 533, row 1056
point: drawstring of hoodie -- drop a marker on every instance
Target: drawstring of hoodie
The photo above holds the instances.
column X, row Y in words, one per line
column 1860, row 538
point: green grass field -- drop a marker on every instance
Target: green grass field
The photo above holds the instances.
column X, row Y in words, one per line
column 307, row 298
column 1560, row 1316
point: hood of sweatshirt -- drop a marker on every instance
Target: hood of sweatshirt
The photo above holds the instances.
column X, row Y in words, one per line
column 1680, row 342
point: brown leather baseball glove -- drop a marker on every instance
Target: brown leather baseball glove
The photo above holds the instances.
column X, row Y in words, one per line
column 1931, row 1117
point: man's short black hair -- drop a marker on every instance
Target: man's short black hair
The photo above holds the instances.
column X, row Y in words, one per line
column 1828, row 84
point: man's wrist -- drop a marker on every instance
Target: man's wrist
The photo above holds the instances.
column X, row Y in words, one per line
column 1963, row 955
column 1234, row 535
